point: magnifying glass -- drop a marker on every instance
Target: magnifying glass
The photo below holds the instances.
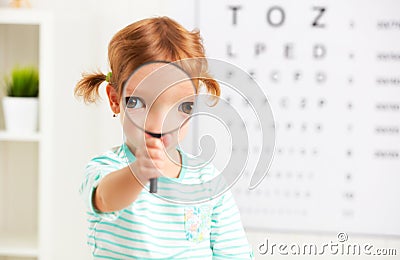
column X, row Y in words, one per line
column 210, row 140
column 159, row 99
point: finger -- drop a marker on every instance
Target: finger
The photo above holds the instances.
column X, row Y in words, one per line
column 140, row 153
column 145, row 150
column 153, row 163
column 156, row 153
column 144, row 174
column 153, row 142
column 166, row 140
column 154, row 173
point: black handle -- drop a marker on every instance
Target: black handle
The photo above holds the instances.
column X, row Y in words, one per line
column 153, row 185
column 153, row 182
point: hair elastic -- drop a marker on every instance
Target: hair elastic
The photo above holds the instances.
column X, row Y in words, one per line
column 108, row 77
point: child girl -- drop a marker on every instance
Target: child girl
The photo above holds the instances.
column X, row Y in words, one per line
column 125, row 220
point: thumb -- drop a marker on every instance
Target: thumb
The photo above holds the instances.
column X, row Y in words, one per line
column 166, row 140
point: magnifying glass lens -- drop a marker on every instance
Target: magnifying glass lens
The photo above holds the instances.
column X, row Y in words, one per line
column 159, row 99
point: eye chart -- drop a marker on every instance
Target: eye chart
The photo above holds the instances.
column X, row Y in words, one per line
column 331, row 72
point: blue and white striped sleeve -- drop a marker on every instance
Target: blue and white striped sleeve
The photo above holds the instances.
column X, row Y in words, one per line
column 95, row 170
column 228, row 239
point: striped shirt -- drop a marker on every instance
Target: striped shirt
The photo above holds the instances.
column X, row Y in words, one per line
column 154, row 228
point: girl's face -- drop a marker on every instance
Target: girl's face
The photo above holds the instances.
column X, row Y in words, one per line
column 157, row 98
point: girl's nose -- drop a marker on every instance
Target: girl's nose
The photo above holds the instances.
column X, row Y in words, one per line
column 155, row 121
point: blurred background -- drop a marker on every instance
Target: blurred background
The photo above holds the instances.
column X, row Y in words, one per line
column 330, row 70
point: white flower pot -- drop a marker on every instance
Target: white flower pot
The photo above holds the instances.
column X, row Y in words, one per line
column 20, row 114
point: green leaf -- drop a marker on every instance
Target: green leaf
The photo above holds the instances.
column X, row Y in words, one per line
column 24, row 82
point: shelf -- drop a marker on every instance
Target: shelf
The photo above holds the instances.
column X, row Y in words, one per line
column 12, row 137
column 18, row 245
column 27, row 37
column 21, row 16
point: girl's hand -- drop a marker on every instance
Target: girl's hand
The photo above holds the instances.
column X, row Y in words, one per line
column 150, row 160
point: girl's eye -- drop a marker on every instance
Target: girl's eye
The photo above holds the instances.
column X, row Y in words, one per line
column 134, row 102
column 186, row 107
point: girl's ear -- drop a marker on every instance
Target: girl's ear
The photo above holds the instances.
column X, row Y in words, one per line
column 113, row 98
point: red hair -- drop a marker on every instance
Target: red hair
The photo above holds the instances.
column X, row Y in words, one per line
column 147, row 40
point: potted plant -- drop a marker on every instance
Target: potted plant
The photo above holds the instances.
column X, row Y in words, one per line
column 20, row 105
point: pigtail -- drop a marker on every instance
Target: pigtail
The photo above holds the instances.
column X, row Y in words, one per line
column 88, row 86
column 212, row 87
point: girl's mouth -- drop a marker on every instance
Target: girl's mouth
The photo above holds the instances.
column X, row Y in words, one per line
column 156, row 135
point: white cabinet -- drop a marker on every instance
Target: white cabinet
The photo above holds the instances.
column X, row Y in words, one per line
column 26, row 166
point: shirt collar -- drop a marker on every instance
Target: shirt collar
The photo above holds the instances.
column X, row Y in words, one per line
column 127, row 154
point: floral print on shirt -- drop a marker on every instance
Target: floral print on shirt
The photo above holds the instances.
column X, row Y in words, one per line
column 197, row 223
